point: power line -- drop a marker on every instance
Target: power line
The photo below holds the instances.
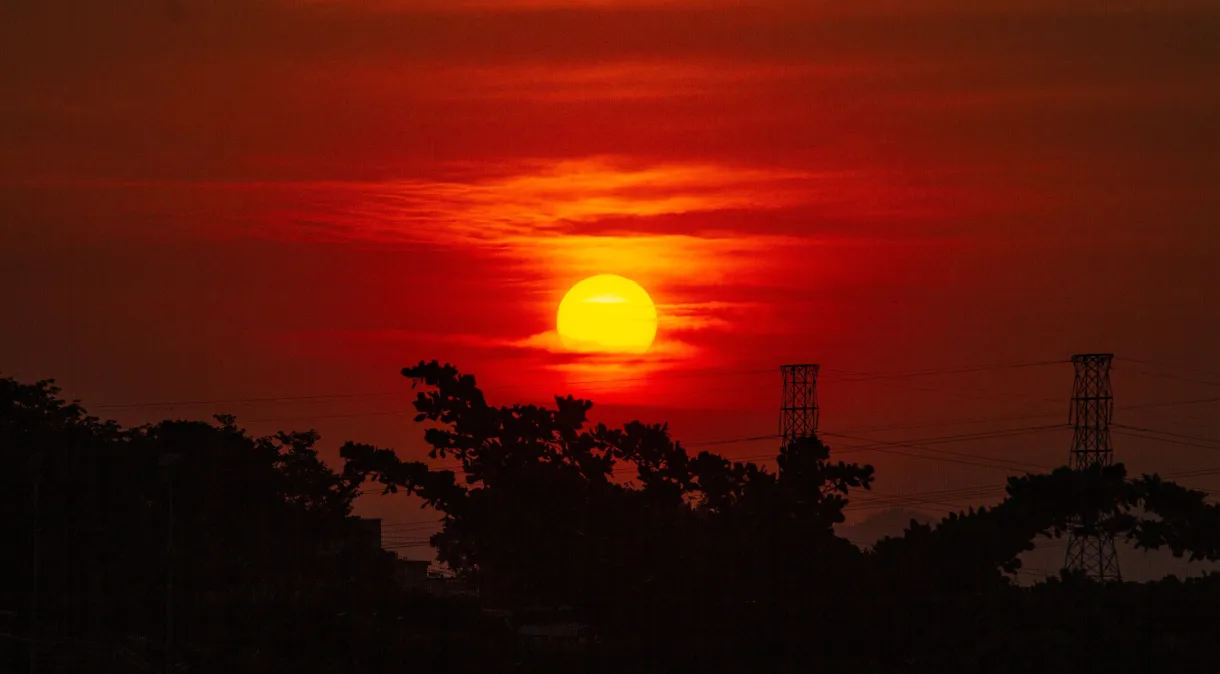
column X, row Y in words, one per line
column 400, row 412
column 973, row 395
column 1161, row 375
column 1199, row 472
column 1171, row 367
column 882, row 445
column 892, row 500
column 885, row 447
column 1170, row 403
column 960, row 437
column 1169, row 433
column 983, row 435
column 859, row 376
column 775, row 436
column 1172, row 441
column 959, row 422
column 314, row 417
column 876, row 445
column 946, row 460
column 732, row 441
column 868, row 376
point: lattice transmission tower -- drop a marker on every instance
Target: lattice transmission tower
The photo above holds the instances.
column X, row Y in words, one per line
column 1091, row 412
column 798, row 415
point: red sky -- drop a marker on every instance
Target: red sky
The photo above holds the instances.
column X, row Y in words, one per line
column 236, row 199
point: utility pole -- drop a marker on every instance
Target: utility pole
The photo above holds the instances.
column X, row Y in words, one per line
column 1091, row 412
column 798, row 411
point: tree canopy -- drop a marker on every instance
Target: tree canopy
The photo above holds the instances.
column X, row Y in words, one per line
column 544, row 507
column 680, row 562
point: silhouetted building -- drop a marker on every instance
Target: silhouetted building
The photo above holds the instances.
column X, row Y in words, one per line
column 411, row 573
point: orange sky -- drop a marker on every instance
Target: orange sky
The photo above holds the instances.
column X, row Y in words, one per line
column 236, row 199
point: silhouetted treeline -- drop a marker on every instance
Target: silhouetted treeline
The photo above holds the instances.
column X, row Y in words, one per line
column 246, row 545
column 677, row 562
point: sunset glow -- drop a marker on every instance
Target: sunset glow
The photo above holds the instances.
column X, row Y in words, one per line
column 651, row 204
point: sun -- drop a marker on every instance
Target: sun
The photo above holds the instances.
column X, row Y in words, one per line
column 607, row 314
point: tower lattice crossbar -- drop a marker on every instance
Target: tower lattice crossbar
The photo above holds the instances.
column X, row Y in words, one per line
column 1092, row 551
column 798, row 415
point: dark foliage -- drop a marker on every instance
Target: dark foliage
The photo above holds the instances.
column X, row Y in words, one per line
column 263, row 567
column 678, row 562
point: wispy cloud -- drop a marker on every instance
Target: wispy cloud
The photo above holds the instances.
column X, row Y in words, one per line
column 539, row 198
column 664, row 349
column 693, row 316
column 537, row 213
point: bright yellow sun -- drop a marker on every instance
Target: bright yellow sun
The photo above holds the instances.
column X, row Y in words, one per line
column 607, row 314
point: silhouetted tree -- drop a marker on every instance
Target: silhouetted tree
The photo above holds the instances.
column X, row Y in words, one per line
column 545, row 511
column 266, row 568
column 683, row 563
column 702, row 555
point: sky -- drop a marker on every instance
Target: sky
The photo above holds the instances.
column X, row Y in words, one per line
column 294, row 199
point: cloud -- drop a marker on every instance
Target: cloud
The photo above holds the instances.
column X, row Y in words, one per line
column 665, row 350
column 537, row 197
column 535, row 213
column 694, row 316
column 661, row 79
column 662, row 349
column 597, row 210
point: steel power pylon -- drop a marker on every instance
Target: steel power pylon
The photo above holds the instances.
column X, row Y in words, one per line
column 798, row 415
column 1091, row 412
